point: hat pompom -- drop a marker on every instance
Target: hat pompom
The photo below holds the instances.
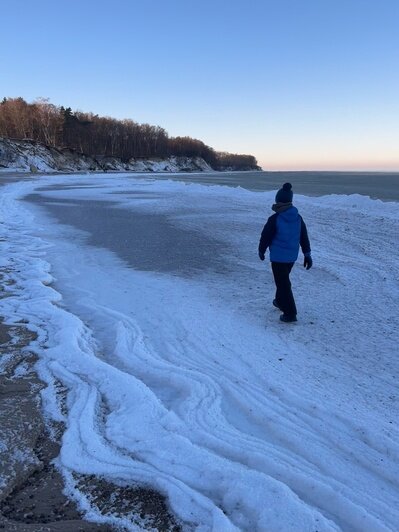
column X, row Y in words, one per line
column 285, row 194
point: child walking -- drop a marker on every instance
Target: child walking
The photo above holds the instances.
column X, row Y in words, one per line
column 283, row 233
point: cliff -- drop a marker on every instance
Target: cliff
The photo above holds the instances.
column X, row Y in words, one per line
column 31, row 156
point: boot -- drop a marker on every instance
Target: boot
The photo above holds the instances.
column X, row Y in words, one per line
column 287, row 319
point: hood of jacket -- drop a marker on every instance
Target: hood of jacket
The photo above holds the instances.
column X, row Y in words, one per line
column 289, row 215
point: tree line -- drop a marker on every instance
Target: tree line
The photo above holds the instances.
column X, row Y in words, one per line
column 95, row 135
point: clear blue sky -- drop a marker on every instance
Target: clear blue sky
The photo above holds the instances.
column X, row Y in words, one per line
column 298, row 83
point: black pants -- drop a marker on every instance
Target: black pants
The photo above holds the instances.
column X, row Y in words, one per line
column 284, row 296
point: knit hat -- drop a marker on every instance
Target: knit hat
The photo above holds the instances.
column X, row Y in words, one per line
column 285, row 194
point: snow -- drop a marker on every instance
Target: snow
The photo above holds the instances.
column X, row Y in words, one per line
column 186, row 381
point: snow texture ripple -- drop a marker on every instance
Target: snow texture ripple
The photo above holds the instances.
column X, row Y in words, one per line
column 188, row 383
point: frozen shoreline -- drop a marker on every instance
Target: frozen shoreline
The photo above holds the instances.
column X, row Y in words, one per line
column 295, row 417
column 377, row 185
column 31, row 488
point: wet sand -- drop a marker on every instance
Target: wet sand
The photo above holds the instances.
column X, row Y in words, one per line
column 31, row 490
column 31, row 487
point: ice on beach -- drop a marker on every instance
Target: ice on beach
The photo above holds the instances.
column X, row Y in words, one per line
column 183, row 379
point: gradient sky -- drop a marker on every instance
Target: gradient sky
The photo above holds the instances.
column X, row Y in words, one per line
column 301, row 84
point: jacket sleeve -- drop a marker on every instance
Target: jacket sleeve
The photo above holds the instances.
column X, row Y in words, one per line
column 267, row 235
column 304, row 239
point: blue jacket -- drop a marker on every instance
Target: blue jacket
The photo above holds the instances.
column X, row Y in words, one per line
column 283, row 233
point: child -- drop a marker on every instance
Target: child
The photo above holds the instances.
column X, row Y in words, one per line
column 283, row 233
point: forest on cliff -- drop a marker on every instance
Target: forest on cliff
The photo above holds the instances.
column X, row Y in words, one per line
column 94, row 135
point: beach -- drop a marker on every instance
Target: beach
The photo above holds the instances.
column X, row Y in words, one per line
column 180, row 326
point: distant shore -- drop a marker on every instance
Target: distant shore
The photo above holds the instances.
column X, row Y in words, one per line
column 31, row 156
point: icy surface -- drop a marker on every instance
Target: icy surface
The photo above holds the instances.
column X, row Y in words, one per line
column 183, row 378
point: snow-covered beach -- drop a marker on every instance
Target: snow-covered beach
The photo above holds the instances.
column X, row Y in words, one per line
column 153, row 310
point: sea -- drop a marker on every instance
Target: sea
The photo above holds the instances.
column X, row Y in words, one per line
column 376, row 185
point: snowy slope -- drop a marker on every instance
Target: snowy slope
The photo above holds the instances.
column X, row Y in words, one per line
column 30, row 156
column 187, row 381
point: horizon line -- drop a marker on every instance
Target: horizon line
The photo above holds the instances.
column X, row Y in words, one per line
column 335, row 170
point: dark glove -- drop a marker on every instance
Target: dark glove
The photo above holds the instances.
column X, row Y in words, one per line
column 307, row 262
column 261, row 256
